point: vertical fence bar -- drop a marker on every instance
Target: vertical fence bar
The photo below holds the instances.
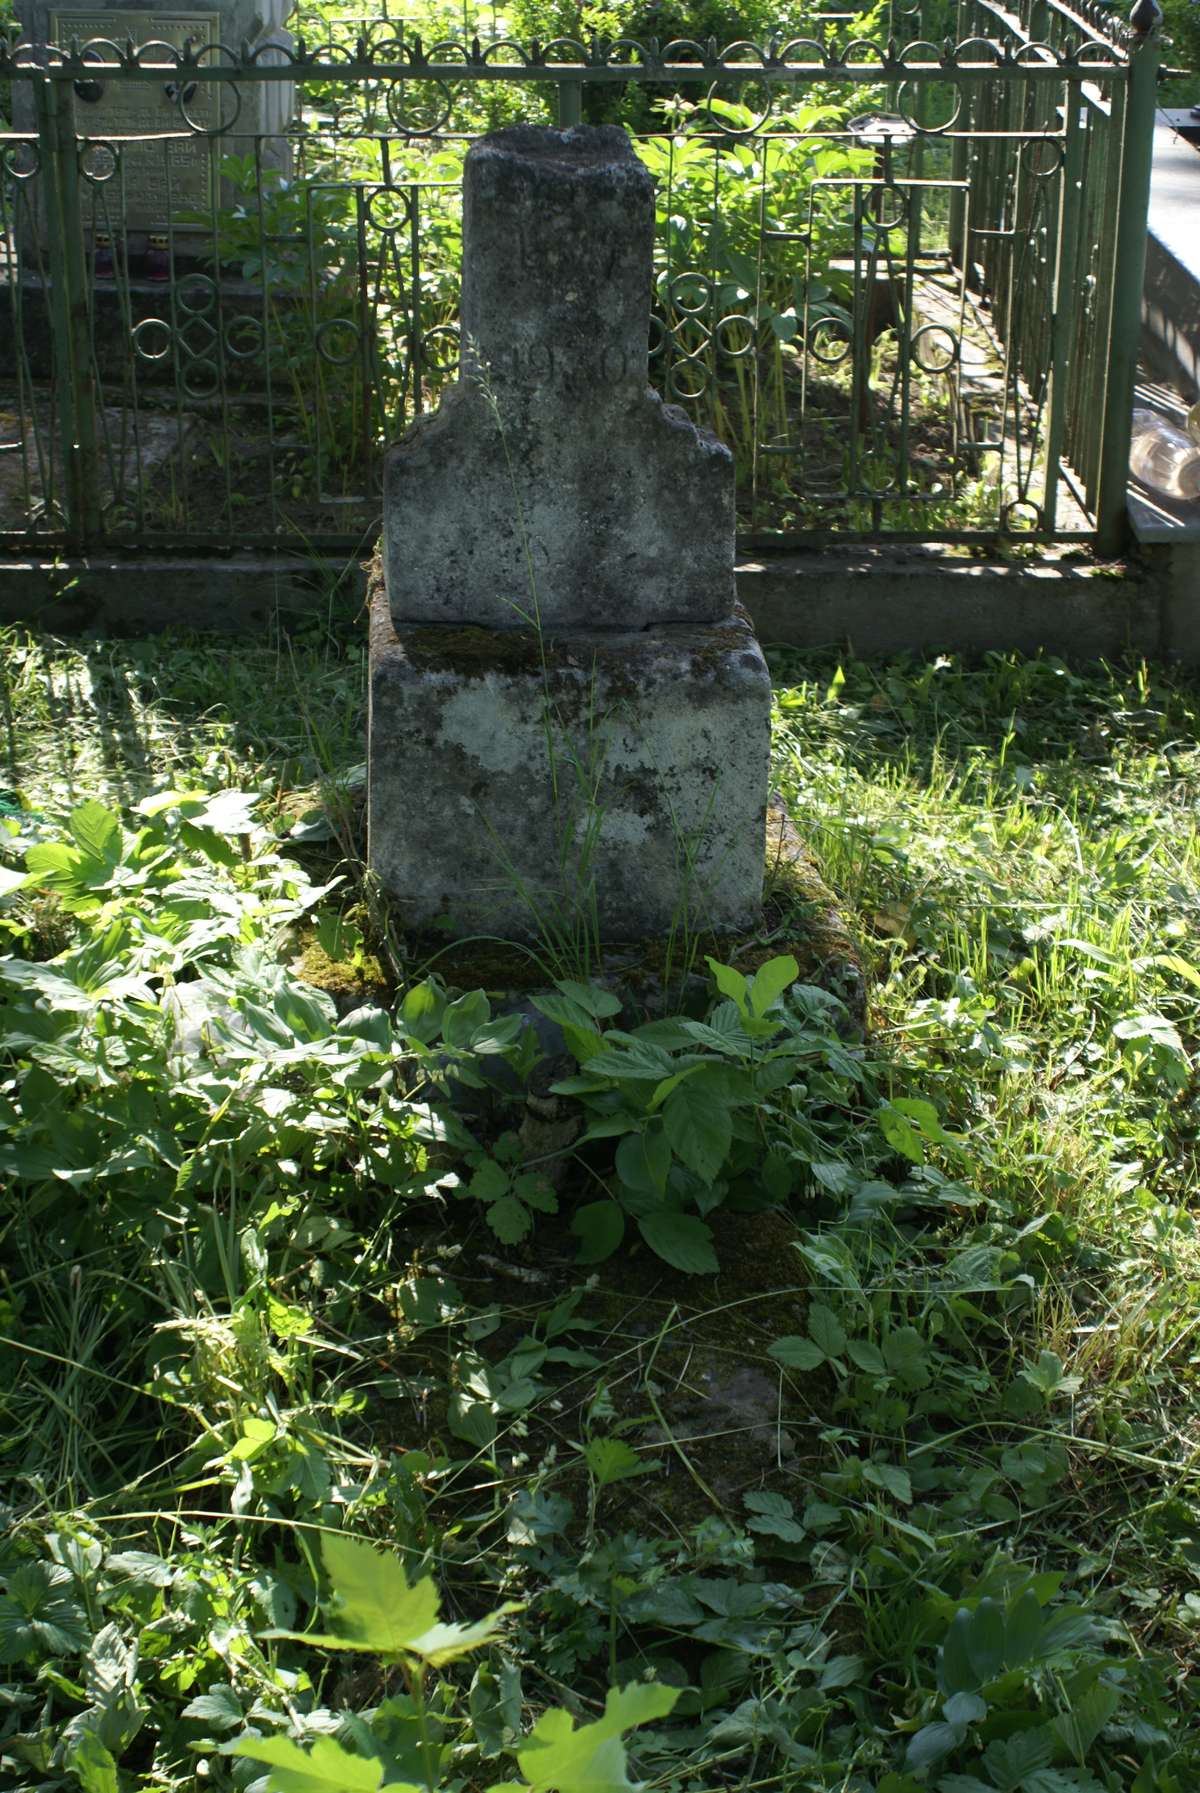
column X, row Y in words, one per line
column 1066, row 297
column 69, row 315
column 1128, row 274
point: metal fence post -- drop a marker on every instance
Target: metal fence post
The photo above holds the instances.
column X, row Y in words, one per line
column 1129, row 271
column 69, row 315
column 570, row 103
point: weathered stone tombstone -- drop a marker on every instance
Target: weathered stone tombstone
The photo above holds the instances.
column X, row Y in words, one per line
column 156, row 184
column 569, row 718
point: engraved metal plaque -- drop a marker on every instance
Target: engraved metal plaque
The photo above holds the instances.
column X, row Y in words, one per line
column 164, row 165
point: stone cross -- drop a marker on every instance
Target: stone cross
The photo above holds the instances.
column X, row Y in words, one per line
column 569, row 717
column 582, row 487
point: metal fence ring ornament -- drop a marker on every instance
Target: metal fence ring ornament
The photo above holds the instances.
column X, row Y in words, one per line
column 11, row 154
column 552, row 59
column 451, row 51
column 93, row 149
column 1022, row 516
column 725, row 127
column 491, row 51
column 92, row 55
column 324, row 331
column 992, row 58
column 758, row 57
column 732, row 320
column 928, row 335
column 434, row 104
column 196, row 294
column 851, row 55
column 168, row 56
column 881, row 483
column 787, row 56
column 245, row 337
column 272, row 46
column 680, row 287
column 696, row 55
column 400, row 200
column 200, row 377
column 929, row 130
column 677, row 372
column 880, row 220
column 191, row 92
column 1094, row 54
column 905, row 57
column 825, row 327
column 624, row 52
column 1036, row 150
column 441, row 347
column 142, row 337
column 1037, row 55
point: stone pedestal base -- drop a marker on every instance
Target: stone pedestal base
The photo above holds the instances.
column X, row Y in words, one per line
column 519, row 788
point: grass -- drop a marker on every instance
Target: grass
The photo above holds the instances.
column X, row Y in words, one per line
column 946, row 1366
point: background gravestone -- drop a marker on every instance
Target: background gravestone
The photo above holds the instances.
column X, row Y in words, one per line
column 155, row 185
column 569, row 720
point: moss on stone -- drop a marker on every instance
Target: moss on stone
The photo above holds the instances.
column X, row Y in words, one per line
column 349, row 982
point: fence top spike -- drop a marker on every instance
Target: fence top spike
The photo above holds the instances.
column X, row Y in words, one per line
column 1145, row 16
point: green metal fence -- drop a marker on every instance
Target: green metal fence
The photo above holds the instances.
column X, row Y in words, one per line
column 900, row 278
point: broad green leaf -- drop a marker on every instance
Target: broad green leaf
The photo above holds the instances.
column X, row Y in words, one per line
column 964, row 1709
column 643, row 1160
column 931, row 1743
column 1023, row 1630
column 489, row 1181
column 770, row 982
column 956, row 1671
column 1079, row 1727
column 682, row 1240
column 374, row 1608
column 866, row 1357
column 826, row 1330
column 219, row 1707
column 95, row 1765
column 626, row 1057
column 900, row 1133
column 796, row 1353
column 559, row 1757
column 328, row 1767
column 1012, row 1761
column 773, row 1516
column 462, row 1018
column 612, row 1460
column 907, row 1357
column 593, row 998
column 509, row 1219
column 372, row 1605
column 421, row 1011
column 599, row 1227
column 96, row 831
column 11, row 880
column 699, row 1128
column 730, row 983
column 891, row 1478
column 985, row 1640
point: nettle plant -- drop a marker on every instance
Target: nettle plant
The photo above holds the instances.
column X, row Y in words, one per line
column 410, row 1742
column 703, row 1111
